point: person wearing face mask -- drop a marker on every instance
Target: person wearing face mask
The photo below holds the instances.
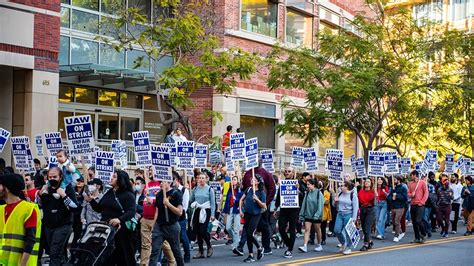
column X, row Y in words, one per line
column 58, row 205
column 445, row 196
column 88, row 215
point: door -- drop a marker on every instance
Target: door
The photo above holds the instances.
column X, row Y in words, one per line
column 107, row 126
column 128, row 124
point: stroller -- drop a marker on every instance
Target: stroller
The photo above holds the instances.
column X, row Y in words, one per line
column 95, row 245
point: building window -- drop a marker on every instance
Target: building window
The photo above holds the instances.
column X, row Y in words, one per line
column 64, row 51
column 143, row 5
column 328, row 141
column 262, row 128
column 130, row 100
column 66, row 94
column 88, row 4
column 110, row 57
column 432, row 10
column 83, row 52
column 350, row 143
column 459, row 9
column 84, row 21
column 299, row 29
column 328, row 28
column 259, row 16
column 86, row 95
column 108, row 98
column 111, row 7
column 65, row 17
column 257, row 109
column 138, row 60
column 293, row 141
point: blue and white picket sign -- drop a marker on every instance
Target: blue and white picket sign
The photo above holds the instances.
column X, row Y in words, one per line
column 405, row 165
column 297, row 157
column 172, row 149
column 459, row 163
column 141, row 143
column 335, row 176
column 449, row 164
column 39, row 145
column 53, row 142
column 466, row 168
column 251, row 153
column 228, row 159
column 376, row 163
column 310, row 159
column 80, row 137
column 4, row 135
column 215, row 157
column 52, row 162
column 267, row 160
column 391, row 163
column 289, row 194
column 104, row 165
column 185, row 154
column 115, row 148
column 353, row 167
column 20, row 152
column 119, row 148
column 160, row 160
column 216, row 186
column 237, row 146
column 200, row 156
column 431, row 158
column 353, row 233
column 420, row 166
column 359, row 164
column 334, row 160
column 30, row 158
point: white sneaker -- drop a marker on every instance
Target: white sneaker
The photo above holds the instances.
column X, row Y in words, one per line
column 318, row 248
column 393, row 232
column 401, row 236
column 342, row 248
column 347, row 251
column 339, row 245
column 380, row 237
column 395, row 239
column 303, row 249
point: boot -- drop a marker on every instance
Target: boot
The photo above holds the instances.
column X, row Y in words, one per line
column 198, row 255
column 210, row 251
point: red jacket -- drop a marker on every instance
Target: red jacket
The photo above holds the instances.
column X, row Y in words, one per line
column 366, row 198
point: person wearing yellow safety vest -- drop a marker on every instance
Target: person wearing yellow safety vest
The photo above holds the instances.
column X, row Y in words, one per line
column 20, row 224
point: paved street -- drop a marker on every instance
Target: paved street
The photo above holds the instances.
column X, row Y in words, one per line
column 454, row 250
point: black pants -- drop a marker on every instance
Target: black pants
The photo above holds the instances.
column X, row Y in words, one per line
column 251, row 221
column 200, row 229
column 367, row 219
column 333, row 221
column 57, row 239
column 169, row 233
column 124, row 252
column 264, row 227
column 288, row 218
column 455, row 207
column 433, row 218
column 416, row 213
column 43, row 246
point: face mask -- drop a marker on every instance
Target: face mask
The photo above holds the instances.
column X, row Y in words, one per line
column 138, row 188
column 91, row 188
column 54, row 183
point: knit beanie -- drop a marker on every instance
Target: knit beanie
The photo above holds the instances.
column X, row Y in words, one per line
column 14, row 182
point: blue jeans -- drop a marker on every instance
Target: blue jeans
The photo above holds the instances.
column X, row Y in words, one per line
column 426, row 219
column 184, row 238
column 233, row 227
column 381, row 214
column 340, row 228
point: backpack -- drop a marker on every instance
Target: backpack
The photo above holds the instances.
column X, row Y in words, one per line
column 352, row 194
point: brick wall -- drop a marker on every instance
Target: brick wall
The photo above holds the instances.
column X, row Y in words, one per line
column 202, row 99
column 53, row 5
column 47, row 30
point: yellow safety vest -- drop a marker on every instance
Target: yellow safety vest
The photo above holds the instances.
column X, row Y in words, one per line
column 12, row 234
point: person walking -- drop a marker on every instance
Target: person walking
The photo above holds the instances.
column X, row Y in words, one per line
column 95, row 189
column 232, row 210
column 203, row 201
column 327, row 214
column 468, row 204
column 456, row 187
column 183, row 220
column 431, row 204
column 445, row 196
column 311, row 213
column 367, row 212
column 20, row 224
column 398, row 199
column 381, row 207
column 117, row 207
column 347, row 209
column 226, row 138
column 418, row 192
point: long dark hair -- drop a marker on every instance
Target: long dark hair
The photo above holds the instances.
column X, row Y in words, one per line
column 384, row 183
column 123, row 181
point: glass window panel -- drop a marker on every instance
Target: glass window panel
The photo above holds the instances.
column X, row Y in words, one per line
column 150, row 103
column 64, row 51
column 258, row 109
column 259, row 16
column 66, row 1
column 110, row 57
column 350, row 143
column 108, row 27
column 162, row 64
column 263, row 128
column 89, row 4
column 108, row 98
column 84, row 21
column 329, row 141
column 327, row 28
column 127, row 126
column 293, row 141
column 143, row 5
column 136, row 29
column 107, row 127
column 138, row 60
column 130, row 100
column 153, row 124
column 111, row 6
column 299, row 29
column 61, row 116
column 459, row 9
column 83, row 52
column 86, row 95
column 65, row 17
column 66, row 94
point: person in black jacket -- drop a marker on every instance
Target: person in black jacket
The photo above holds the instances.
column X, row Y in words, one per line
column 117, row 206
column 58, row 205
column 398, row 198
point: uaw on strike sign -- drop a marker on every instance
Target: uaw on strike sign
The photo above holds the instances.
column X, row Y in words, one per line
column 79, row 134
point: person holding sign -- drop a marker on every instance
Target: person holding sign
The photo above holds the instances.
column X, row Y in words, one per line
column 381, row 207
column 468, row 205
column 312, row 213
column 232, row 211
column 251, row 211
column 367, row 212
column 398, row 199
column 418, row 192
column 203, row 201
column 347, row 209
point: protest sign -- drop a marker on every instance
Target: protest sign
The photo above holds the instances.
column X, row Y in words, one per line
column 4, row 135
column 160, row 160
column 172, row 150
column 459, row 163
column 334, row 160
column 251, row 153
column 215, row 157
column 237, row 146
column 52, row 162
column 39, row 144
column 420, row 166
column 405, row 165
column 376, row 163
column 310, row 159
column 267, row 160
column 289, row 194
column 20, row 152
column 297, row 157
column 30, row 158
column 359, row 164
column 353, row 233
column 353, row 159
column 185, row 154
column 216, row 186
column 449, row 164
column 79, row 135
column 53, row 142
column 228, row 159
column 335, row 176
column 200, row 156
column 466, row 168
column 391, row 163
column 104, row 165
column 431, row 158
column 141, row 143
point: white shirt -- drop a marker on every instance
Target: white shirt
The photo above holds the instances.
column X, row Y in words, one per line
column 185, row 203
column 457, row 189
column 179, row 138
